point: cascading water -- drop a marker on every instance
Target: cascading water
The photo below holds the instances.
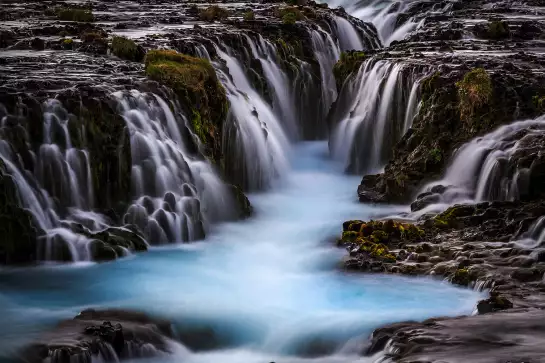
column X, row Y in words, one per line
column 266, row 289
column 176, row 194
column 386, row 14
column 488, row 168
column 349, row 39
column 254, row 133
column 375, row 109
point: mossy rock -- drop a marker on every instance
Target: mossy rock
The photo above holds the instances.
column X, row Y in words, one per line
column 348, row 64
column 243, row 205
column 201, row 94
column 494, row 30
column 474, row 92
column 75, row 14
column 375, row 237
column 461, row 277
column 213, row 12
column 289, row 18
column 248, row 16
column 127, row 49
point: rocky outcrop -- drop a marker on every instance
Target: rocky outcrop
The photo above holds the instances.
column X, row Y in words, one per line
column 503, row 337
column 471, row 45
column 482, row 245
column 201, row 94
column 456, row 107
column 108, row 335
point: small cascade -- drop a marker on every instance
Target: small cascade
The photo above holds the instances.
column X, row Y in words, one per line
column 390, row 16
column 327, row 53
column 59, row 191
column 277, row 82
column 534, row 237
column 63, row 170
column 349, row 39
column 497, row 166
column 176, row 195
column 375, row 109
column 255, row 145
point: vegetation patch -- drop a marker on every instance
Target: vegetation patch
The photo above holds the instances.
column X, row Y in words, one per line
column 498, row 29
column 348, row 63
column 248, row 16
column 374, row 237
column 195, row 83
column 75, row 14
column 436, row 155
column 213, row 12
column 474, row 91
column 289, row 14
column 127, row 49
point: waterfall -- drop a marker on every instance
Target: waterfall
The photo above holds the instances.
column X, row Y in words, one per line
column 348, row 37
column 376, row 108
column 255, row 145
column 176, row 195
column 385, row 15
column 327, row 53
column 496, row 166
column 278, row 83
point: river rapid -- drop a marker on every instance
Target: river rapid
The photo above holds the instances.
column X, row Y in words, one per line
column 269, row 288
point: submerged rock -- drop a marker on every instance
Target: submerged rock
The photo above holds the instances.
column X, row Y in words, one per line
column 109, row 335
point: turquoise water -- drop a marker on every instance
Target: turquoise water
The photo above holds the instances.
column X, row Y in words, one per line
column 268, row 286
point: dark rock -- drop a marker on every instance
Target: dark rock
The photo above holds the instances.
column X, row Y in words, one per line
column 81, row 338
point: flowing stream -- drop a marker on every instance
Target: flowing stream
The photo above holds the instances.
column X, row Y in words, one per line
column 269, row 287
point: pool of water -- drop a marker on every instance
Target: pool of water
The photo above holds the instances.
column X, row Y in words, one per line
column 269, row 287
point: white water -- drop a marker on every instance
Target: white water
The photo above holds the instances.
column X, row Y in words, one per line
column 379, row 109
column 257, row 137
column 477, row 172
column 384, row 14
column 268, row 287
column 176, row 194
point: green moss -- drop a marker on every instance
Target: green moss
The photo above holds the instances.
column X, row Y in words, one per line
column 539, row 103
column 214, row 12
column 248, row 16
column 198, row 126
column 68, row 41
column 379, row 236
column 461, row 277
column 92, row 37
column 498, row 29
column 430, row 84
column 349, row 236
column 75, row 14
column 474, row 91
column 348, row 63
column 289, row 18
column 288, row 14
column 195, row 82
column 436, row 155
column 127, row 49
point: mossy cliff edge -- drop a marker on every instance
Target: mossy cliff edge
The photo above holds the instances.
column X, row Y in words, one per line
column 195, row 82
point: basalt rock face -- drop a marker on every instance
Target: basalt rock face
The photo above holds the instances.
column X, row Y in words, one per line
column 471, row 36
column 108, row 335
